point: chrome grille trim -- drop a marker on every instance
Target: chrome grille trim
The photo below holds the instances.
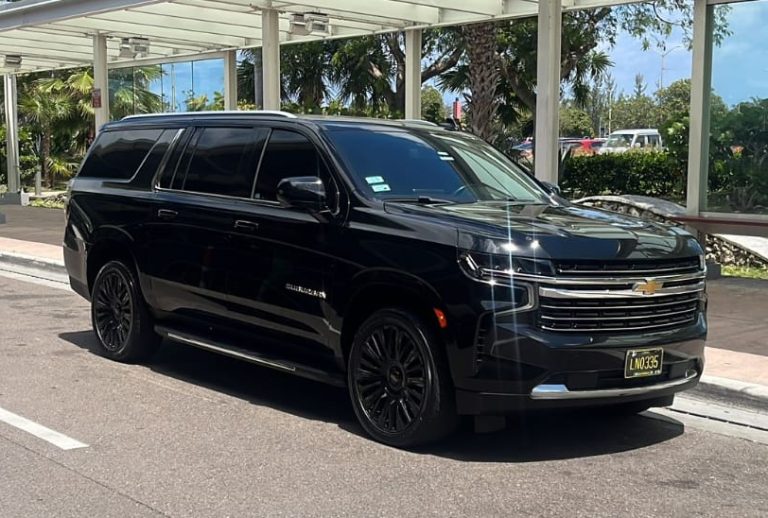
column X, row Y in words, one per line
column 631, row 317
column 586, row 281
column 560, row 293
column 636, row 272
column 621, row 308
column 661, row 327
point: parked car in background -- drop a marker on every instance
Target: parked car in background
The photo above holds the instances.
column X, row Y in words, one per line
column 624, row 140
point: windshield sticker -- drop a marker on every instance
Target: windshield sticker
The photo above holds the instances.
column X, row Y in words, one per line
column 374, row 179
column 382, row 187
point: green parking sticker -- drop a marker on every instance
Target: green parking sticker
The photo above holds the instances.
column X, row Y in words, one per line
column 374, row 179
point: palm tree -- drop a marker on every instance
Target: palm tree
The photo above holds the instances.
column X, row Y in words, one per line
column 305, row 72
column 44, row 110
column 483, row 77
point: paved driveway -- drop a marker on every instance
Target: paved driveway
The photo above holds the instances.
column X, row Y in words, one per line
column 193, row 434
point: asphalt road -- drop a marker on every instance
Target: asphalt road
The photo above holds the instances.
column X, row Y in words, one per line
column 194, row 434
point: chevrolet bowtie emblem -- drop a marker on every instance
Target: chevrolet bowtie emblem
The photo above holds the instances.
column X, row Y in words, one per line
column 648, row 287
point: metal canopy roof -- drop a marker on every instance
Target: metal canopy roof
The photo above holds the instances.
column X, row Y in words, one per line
column 52, row 34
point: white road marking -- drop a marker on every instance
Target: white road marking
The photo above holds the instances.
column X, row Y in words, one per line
column 41, row 432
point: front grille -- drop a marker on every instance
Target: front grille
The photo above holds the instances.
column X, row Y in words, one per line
column 607, row 297
column 621, row 314
column 623, row 268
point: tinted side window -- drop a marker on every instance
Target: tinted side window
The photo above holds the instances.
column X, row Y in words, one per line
column 288, row 154
column 224, row 161
column 155, row 156
column 168, row 177
column 118, row 154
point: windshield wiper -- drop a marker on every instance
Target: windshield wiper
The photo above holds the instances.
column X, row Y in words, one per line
column 421, row 200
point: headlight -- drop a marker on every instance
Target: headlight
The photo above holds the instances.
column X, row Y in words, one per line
column 487, row 266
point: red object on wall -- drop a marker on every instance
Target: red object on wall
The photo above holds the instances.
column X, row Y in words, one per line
column 457, row 111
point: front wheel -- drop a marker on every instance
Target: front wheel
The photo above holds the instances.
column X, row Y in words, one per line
column 120, row 317
column 399, row 382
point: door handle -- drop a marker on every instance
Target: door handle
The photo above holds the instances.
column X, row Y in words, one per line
column 244, row 224
column 167, row 214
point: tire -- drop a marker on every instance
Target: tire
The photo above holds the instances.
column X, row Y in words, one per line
column 120, row 318
column 399, row 382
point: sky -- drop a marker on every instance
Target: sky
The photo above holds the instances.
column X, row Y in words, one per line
column 740, row 63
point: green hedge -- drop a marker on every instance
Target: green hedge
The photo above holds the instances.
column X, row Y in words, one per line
column 634, row 172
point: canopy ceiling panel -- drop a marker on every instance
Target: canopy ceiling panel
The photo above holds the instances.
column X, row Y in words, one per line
column 53, row 34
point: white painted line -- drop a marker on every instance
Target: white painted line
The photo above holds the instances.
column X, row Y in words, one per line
column 41, row 432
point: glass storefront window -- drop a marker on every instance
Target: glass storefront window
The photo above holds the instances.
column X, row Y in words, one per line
column 170, row 87
column 738, row 161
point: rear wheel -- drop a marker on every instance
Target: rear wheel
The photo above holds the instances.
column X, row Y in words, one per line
column 398, row 380
column 120, row 317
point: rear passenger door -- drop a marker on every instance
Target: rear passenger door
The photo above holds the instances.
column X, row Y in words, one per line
column 287, row 261
column 198, row 203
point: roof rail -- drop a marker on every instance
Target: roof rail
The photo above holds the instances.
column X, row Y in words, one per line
column 269, row 113
column 419, row 122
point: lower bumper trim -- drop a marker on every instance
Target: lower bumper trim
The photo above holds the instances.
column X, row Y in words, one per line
column 558, row 391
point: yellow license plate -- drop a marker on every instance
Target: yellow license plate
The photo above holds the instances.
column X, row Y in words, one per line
column 640, row 363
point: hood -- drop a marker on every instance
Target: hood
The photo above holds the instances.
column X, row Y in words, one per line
column 563, row 231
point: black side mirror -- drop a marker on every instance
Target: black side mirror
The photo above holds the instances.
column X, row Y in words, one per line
column 552, row 188
column 305, row 192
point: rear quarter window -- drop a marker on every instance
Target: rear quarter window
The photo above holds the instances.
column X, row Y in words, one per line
column 117, row 155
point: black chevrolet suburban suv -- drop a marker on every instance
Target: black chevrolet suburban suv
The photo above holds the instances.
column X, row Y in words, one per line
column 416, row 266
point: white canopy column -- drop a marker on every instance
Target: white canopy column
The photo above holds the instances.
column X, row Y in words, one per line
column 548, row 91
column 230, row 80
column 701, row 86
column 413, row 74
column 100, row 81
column 12, row 138
column 270, row 50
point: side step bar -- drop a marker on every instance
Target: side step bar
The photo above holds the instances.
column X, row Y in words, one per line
column 331, row 378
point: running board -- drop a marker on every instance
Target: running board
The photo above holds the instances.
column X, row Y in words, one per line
column 239, row 353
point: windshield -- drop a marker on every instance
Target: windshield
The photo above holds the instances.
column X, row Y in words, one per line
column 442, row 166
column 619, row 140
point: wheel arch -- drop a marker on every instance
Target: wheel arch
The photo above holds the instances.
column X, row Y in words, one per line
column 108, row 244
column 378, row 289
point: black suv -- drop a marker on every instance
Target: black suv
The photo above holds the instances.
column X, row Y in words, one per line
column 417, row 266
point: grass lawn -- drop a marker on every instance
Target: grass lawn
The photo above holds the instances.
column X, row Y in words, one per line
column 746, row 271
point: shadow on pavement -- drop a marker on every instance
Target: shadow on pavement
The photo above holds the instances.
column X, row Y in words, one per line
column 527, row 438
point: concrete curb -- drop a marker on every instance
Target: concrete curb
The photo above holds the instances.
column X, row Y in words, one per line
column 36, row 263
column 733, row 391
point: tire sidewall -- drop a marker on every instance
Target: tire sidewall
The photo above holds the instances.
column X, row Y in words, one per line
column 425, row 341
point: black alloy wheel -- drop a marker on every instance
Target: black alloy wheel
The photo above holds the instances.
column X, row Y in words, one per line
column 391, row 379
column 113, row 311
column 397, row 381
column 121, row 320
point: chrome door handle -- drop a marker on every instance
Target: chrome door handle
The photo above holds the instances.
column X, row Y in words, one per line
column 167, row 214
column 244, row 224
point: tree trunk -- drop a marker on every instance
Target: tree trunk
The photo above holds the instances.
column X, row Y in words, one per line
column 483, row 78
column 45, row 152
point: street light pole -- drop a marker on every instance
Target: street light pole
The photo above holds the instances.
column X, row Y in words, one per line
column 664, row 55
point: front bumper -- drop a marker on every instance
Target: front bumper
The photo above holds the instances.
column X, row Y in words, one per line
column 526, row 369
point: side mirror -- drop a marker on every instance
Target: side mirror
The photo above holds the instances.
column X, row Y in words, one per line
column 552, row 188
column 305, row 192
